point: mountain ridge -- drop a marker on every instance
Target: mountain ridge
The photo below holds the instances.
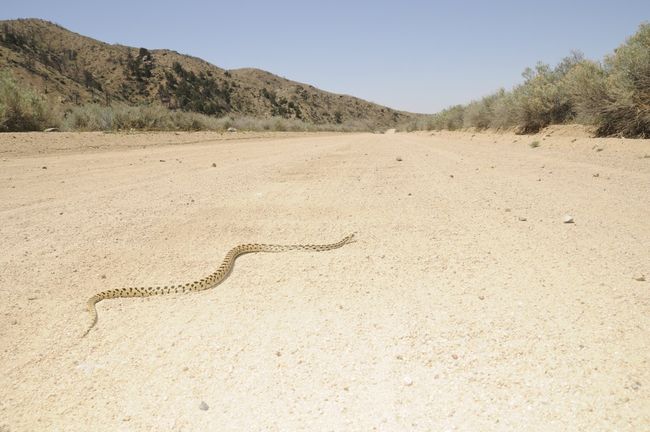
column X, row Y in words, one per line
column 76, row 69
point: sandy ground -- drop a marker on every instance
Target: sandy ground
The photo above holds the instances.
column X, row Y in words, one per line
column 450, row 311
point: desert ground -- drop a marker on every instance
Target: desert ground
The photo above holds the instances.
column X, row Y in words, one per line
column 466, row 302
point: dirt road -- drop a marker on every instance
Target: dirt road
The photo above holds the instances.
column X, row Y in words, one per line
column 465, row 304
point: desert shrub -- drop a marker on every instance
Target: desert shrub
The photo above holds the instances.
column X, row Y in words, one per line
column 450, row 118
column 23, row 110
column 586, row 84
column 503, row 112
column 541, row 99
column 613, row 96
column 479, row 114
column 627, row 108
column 93, row 117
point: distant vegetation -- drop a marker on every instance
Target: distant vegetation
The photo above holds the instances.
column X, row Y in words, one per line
column 21, row 109
column 612, row 95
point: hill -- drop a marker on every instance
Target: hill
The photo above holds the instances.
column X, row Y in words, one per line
column 75, row 69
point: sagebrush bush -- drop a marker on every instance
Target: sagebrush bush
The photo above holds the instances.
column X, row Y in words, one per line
column 627, row 108
column 23, row 110
column 450, row 118
column 479, row 114
column 615, row 96
column 586, row 85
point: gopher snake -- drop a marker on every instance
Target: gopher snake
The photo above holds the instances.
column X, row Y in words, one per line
column 209, row 281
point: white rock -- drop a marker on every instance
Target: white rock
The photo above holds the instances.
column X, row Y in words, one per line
column 407, row 381
column 567, row 219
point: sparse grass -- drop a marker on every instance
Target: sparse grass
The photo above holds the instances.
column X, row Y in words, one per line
column 157, row 118
column 534, row 144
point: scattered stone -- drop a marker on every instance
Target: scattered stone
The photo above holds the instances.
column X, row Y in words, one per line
column 410, row 194
column 162, row 160
column 454, row 356
column 103, row 276
column 640, row 278
column 574, row 140
column 507, row 210
column 522, row 219
column 44, row 167
column 31, row 298
column 398, row 159
column 481, row 297
column 407, row 381
column 596, row 175
column 231, row 129
column 14, row 322
column 599, row 149
column 51, row 130
column 203, row 406
column 567, row 219
column 214, row 165
column 451, row 175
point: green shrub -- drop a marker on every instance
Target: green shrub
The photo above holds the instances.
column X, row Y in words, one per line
column 23, row 110
column 627, row 108
column 450, row 118
column 480, row 114
column 614, row 96
column 586, row 85
column 541, row 99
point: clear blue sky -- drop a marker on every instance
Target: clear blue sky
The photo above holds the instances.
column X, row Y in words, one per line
column 414, row 55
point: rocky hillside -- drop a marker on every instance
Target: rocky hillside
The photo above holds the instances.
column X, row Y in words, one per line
column 76, row 69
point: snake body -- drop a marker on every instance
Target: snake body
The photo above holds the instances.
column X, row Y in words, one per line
column 207, row 282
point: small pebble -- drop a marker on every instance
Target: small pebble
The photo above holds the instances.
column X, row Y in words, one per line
column 44, row 167
column 567, row 219
column 214, row 165
column 522, row 219
column 481, row 297
column 398, row 159
column 204, row 406
column 162, row 160
column 596, row 175
column 407, row 381
column 640, row 278
column 507, row 210
column 454, row 356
